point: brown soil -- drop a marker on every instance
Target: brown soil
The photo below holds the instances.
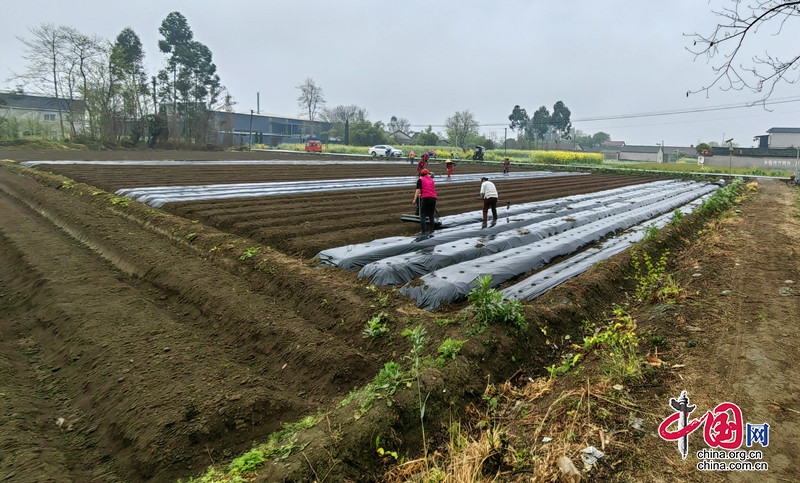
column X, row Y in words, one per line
column 139, row 344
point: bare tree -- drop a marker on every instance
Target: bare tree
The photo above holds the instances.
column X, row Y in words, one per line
column 728, row 42
column 84, row 58
column 398, row 124
column 45, row 55
column 311, row 98
column 351, row 113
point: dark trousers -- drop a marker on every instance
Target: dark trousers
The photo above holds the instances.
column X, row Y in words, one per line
column 490, row 203
column 427, row 207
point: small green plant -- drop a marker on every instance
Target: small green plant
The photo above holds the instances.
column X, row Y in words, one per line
column 249, row 253
column 418, row 337
column 376, row 326
column 616, row 345
column 247, row 463
column 491, row 308
column 677, row 217
column 384, row 452
column 120, row 201
column 650, row 233
column 567, row 362
column 389, row 379
column 669, row 289
column 449, row 350
column 648, row 274
column 191, row 236
column 279, row 446
column 383, row 300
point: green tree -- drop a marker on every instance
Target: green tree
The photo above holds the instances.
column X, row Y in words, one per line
column 519, row 119
column 539, row 124
column 427, row 137
column 190, row 82
column 129, row 80
column 461, row 127
column 702, row 147
column 367, row 134
column 599, row 138
column 559, row 120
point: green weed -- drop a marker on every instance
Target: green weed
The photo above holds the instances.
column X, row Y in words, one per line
column 249, row 253
column 650, row 233
column 648, row 274
column 120, row 201
column 449, row 350
column 389, row 379
column 376, row 326
column 567, row 362
column 616, row 344
column 490, row 307
column 677, row 217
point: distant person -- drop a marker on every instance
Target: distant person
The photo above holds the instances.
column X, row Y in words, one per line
column 425, row 195
column 411, row 156
column 449, row 164
column 506, row 164
column 489, row 197
column 421, row 165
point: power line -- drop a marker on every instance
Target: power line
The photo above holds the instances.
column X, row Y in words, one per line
column 767, row 102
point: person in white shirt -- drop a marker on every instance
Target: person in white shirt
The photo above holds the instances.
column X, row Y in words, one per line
column 489, row 196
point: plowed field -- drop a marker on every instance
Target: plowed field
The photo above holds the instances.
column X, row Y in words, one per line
column 142, row 344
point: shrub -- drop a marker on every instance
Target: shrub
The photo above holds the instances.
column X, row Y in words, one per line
column 490, row 307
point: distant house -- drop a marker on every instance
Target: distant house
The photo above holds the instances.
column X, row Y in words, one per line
column 650, row 154
column 31, row 115
column 399, row 137
column 614, row 144
column 782, row 137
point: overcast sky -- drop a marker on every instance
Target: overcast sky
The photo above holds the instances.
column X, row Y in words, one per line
column 423, row 60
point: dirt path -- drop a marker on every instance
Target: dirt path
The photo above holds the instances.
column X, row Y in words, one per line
column 748, row 312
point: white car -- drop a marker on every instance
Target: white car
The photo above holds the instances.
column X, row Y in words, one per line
column 385, row 151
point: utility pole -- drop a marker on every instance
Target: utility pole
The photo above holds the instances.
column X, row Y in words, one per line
column 729, row 142
column 505, row 140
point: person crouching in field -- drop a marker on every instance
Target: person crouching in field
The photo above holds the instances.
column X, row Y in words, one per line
column 449, row 164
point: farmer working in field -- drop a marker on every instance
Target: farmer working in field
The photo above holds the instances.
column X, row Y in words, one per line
column 489, row 197
column 449, row 164
column 422, row 162
column 426, row 195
